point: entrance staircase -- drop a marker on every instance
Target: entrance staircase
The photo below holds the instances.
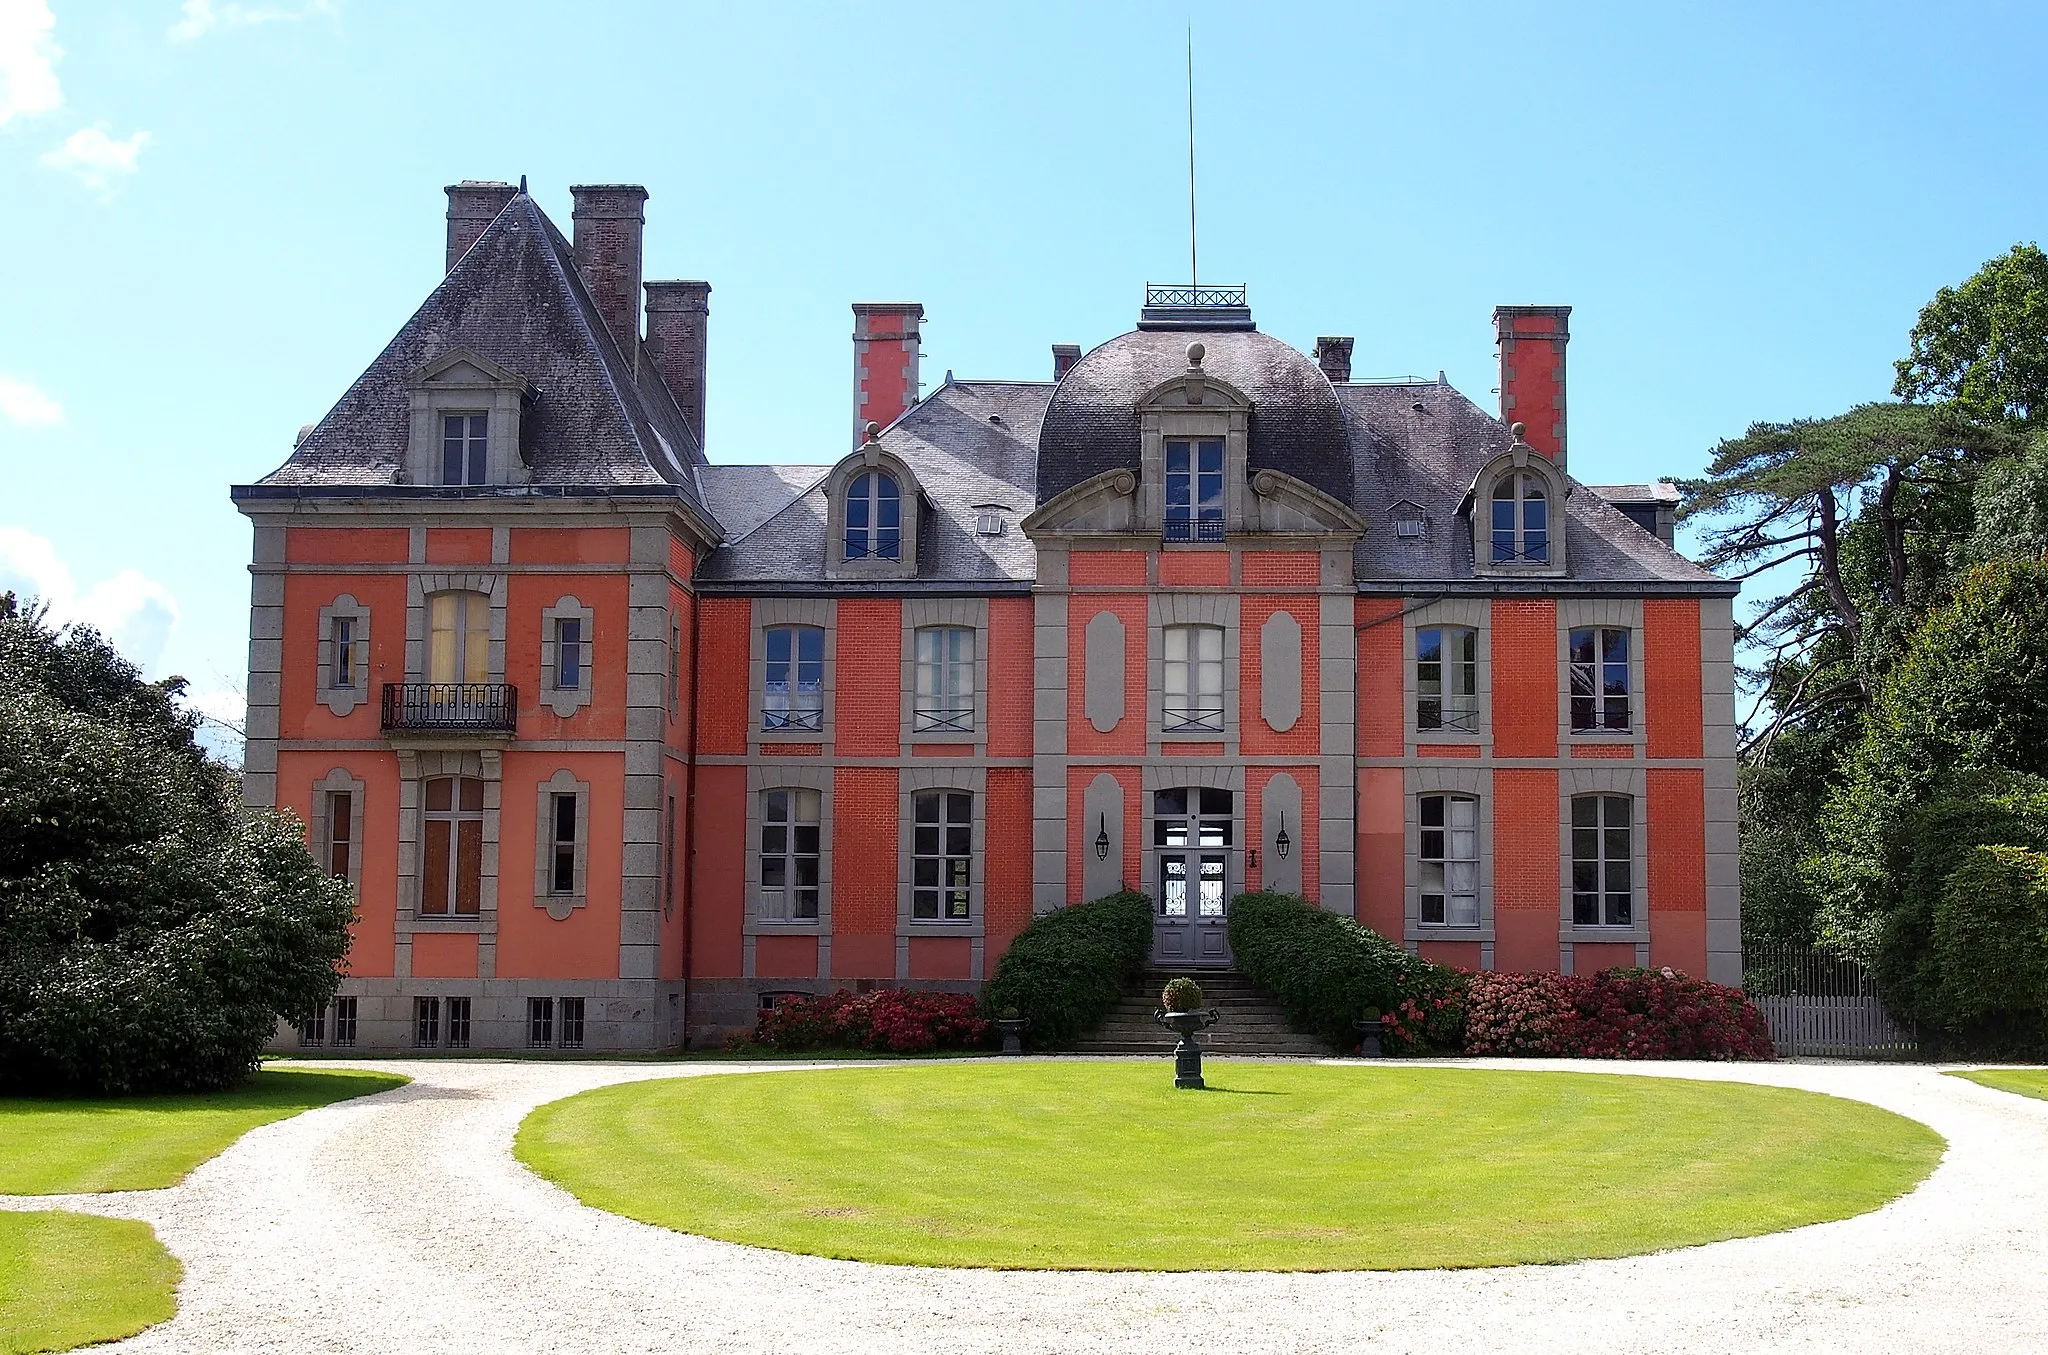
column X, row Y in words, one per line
column 1251, row 1024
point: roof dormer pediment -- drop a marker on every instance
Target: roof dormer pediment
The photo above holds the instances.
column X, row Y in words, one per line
column 461, row 368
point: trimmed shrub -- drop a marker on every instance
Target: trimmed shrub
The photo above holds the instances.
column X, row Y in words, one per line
column 1991, row 945
column 1327, row 970
column 1181, row 995
column 1616, row 1014
column 1066, row 970
column 886, row 1020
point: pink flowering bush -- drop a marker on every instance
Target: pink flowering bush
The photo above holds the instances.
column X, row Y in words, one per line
column 1615, row 1014
column 886, row 1020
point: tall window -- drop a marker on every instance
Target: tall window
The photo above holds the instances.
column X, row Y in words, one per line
column 1194, row 490
column 1449, row 857
column 1601, row 829
column 426, row 1021
column 1521, row 520
column 793, row 690
column 1194, row 680
column 1599, row 680
column 540, row 1022
column 569, row 660
column 347, row 643
column 464, row 438
column 874, row 517
column 451, row 876
column 668, row 858
column 341, row 810
column 458, row 1023
column 344, row 1022
column 942, row 850
column 945, row 681
column 1447, row 678
column 789, row 856
column 565, row 843
column 459, row 638
column 675, row 663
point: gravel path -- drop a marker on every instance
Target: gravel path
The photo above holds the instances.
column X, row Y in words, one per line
column 401, row 1223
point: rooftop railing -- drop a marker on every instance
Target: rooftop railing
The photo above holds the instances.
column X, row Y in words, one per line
column 1188, row 294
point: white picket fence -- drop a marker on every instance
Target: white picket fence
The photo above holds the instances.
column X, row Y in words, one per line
column 1819, row 1006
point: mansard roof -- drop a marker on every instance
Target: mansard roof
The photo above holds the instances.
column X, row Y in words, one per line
column 594, row 418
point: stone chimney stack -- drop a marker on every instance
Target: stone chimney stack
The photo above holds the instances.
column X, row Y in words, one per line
column 472, row 205
column 1333, row 355
column 678, row 314
column 1064, row 356
column 609, row 219
column 1532, row 341
column 885, row 342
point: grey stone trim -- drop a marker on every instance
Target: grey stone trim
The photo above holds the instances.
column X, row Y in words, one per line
column 415, row 767
column 648, row 597
column 868, row 457
column 1049, row 660
column 340, row 699
column 942, row 776
column 620, row 1016
column 1220, row 610
column 1724, row 868
column 1102, row 671
column 1166, row 774
column 321, row 829
column 1102, row 812
column 1591, row 777
column 1474, row 614
column 955, row 613
column 1440, row 778
column 266, row 666
column 1280, row 805
column 810, row 774
column 565, row 701
column 1622, row 613
column 769, row 613
column 1280, row 671
column 1191, row 406
column 460, row 381
column 1337, row 775
column 560, row 906
column 1520, row 457
column 423, row 585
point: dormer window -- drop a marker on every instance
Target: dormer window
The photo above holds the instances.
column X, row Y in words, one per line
column 1194, row 489
column 465, row 449
column 465, row 422
column 1521, row 520
column 874, row 517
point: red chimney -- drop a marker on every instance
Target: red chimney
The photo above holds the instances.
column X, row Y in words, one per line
column 608, row 220
column 678, row 314
column 884, row 362
column 1531, row 341
column 472, row 205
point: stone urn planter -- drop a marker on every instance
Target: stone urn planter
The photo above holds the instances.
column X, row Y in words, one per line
column 1370, row 1027
column 1012, row 1025
column 1181, row 1011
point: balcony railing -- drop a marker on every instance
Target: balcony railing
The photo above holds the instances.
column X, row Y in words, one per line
column 1185, row 294
column 1189, row 529
column 474, row 707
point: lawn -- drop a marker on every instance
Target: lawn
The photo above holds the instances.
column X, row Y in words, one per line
column 2026, row 1081
column 74, row 1145
column 73, row 1279
column 1102, row 1165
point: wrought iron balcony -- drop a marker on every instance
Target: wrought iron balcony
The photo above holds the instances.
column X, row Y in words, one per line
column 1183, row 305
column 465, row 707
column 1189, row 529
column 1188, row 294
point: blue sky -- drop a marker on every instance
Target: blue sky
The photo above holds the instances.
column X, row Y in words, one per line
column 215, row 214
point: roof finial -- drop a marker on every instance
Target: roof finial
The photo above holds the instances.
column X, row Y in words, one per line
column 1518, row 429
column 873, row 430
column 1196, row 352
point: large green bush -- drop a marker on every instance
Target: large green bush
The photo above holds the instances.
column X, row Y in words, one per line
column 1066, row 970
column 151, row 933
column 1326, row 969
column 1991, row 946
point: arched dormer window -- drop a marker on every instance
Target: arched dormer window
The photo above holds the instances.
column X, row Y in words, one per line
column 1520, row 520
column 1516, row 504
column 874, row 517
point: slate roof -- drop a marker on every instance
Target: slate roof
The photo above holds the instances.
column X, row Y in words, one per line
column 515, row 298
column 1297, row 424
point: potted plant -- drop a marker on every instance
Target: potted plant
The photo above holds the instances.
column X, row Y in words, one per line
column 1370, row 1027
column 1180, row 1010
column 1012, row 1023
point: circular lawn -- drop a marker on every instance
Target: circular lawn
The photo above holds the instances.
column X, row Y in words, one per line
column 1279, row 1166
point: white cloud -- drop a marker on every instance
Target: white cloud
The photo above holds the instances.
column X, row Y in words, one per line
column 95, row 159
column 28, row 60
column 200, row 17
column 132, row 610
column 22, row 403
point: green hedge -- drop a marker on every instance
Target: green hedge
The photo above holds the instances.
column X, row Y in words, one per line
column 1067, row 969
column 1324, row 968
column 1991, row 944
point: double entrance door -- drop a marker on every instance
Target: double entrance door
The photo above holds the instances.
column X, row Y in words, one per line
column 1194, row 867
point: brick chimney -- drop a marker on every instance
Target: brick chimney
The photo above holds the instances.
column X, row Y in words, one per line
column 1333, row 355
column 1064, row 356
column 1532, row 340
column 609, row 219
column 884, row 362
column 472, row 205
column 678, row 314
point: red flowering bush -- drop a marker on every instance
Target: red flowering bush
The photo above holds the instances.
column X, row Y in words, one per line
column 1431, row 1017
column 1522, row 1014
column 886, row 1020
column 1615, row 1014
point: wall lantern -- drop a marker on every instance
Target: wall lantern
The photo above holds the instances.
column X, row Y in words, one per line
column 1283, row 844
column 1102, row 840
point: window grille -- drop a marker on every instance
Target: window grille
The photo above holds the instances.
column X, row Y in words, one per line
column 344, row 1023
column 426, row 1022
column 572, row 1023
column 313, row 1030
column 458, row 1023
column 540, row 1022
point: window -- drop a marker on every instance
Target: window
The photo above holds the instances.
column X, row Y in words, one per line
column 1194, row 490
column 1447, row 679
column 945, row 681
column 341, row 805
column 1449, row 857
column 1194, row 680
column 793, row 686
column 540, row 1022
column 346, row 637
column 572, row 1023
column 874, row 517
column 344, row 1023
column 1521, row 520
column 568, row 653
column 459, row 641
column 1599, row 680
column 987, row 523
column 313, row 1030
column 789, row 855
column 942, row 847
column 458, row 1023
column 451, row 881
column 564, row 842
column 464, row 438
column 426, row 1022
column 1601, row 829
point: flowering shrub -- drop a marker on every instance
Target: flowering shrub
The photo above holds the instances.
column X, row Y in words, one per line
column 1615, row 1014
column 1430, row 1018
column 891, row 1020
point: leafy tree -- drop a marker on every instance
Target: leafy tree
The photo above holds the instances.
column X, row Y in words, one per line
column 1983, row 346
column 2010, row 507
column 151, row 932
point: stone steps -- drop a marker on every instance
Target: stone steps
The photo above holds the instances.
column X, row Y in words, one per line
column 1251, row 1023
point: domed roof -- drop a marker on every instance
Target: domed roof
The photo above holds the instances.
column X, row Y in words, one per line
column 1297, row 427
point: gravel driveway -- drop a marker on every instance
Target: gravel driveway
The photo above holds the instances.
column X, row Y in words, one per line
column 401, row 1223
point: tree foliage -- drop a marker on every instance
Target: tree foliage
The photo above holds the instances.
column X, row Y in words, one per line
column 1983, row 346
column 151, row 933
